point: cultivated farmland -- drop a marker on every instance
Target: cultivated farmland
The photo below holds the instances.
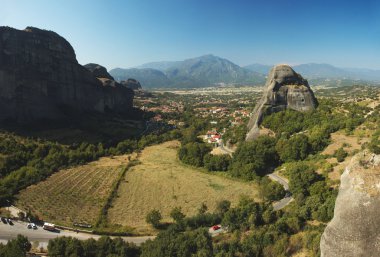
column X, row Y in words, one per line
column 73, row 195
column 161, row 182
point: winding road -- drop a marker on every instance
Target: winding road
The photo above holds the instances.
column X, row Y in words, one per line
column 288, row 197
column 276, row 205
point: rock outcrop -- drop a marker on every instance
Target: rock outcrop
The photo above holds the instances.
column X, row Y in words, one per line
column 355, row 229
column 132, row 84
column 284, row 89
column 98, row 71
column 40, row 78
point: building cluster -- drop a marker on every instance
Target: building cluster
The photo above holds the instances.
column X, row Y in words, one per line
column 213, row 137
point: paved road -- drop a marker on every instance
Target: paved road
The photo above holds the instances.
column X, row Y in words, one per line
column 288, row 197
column 8, row 232
column 280, row 180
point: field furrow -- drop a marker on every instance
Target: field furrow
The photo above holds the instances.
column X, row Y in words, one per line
column 75, row 194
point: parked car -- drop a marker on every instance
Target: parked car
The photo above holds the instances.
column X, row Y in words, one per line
column 29, row 226
column 10, row 222
column 4, row 220
column 34, row 226
column 216, row 227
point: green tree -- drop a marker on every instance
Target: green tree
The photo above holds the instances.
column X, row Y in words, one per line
column 271, row 190
column 193, row 153
column 177, row 215
column 293, row 149
column 223, row 206
column 154, row 217
column 16, row 247
column 254, row 158
column 340, row 154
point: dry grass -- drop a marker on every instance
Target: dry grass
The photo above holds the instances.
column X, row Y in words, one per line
column 73, row 195
column 338, row 139
column 162, row 182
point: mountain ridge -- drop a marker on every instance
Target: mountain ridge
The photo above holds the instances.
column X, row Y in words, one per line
column 326, row 71
column 202, row 71
column 210, row 70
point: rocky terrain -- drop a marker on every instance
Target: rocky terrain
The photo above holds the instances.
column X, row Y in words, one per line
column 284, row 89
column 355, row 228
column 40, row 78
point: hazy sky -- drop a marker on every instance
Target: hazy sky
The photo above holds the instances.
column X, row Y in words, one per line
column 131, row 32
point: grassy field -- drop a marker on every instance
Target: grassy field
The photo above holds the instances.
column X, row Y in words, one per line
column 73, row 195
column 162, row 182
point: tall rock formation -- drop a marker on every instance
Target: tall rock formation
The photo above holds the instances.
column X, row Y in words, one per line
column 284, row 89
column 40, row 78
column 355, row 229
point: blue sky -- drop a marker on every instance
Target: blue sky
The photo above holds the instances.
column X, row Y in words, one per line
column 132, row 32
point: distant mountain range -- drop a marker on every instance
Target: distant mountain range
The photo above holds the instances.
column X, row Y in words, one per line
column 210, row 70
column 201, row 71
column 325, row 71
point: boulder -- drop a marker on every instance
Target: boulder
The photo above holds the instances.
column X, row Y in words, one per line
column 355, row 229
column 40, row 78
column 132, row 84
column 284, row 89
column 98, row 71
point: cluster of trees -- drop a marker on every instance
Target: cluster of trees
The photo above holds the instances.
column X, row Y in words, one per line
column 314, row 199
column 255, row 158
column 104, row 246
column 174, row 243
column 271, row 233
column 326, row 116
column 198, row 154
column 16, row 247
column 193, row 153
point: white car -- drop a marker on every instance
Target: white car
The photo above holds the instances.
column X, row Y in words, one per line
column 34, row 226
column 29, row 226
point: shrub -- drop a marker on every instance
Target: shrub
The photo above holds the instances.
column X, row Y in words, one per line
column 154, row 217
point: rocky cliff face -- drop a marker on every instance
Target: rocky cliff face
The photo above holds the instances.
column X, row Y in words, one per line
column 284, row 89
column 116, row 94
column 41, row 78
column 355, row 229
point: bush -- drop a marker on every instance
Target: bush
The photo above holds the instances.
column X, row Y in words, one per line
column 154, row 217
column 177, row 214
column 217, row 162
column 340, row 154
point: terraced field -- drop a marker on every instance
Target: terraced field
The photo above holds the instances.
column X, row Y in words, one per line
column 73, row 195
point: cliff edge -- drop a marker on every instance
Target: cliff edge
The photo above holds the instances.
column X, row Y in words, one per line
column 40, row 78
column 355, row 229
